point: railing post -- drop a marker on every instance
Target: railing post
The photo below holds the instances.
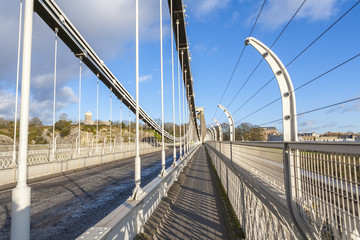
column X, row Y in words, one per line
column 289, row 191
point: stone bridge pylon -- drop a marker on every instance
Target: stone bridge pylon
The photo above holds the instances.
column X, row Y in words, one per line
column 201, row 117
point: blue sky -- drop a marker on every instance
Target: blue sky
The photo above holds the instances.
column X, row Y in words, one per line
column 216, row 32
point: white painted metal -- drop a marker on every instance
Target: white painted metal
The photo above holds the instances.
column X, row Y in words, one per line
column 129, row 132
column 97, row 115
column 183, row 101
column 178, row 68
column 136, row 213
column 211, row 134
column 52, row 13
column 172, row 76
column 215, row 132
column 20, row 207
column 285, row 85
column 121, row 133
column 162, row 95
column 54, row 101
column 17, row 84
column 79, row 147
column 220, row 129
column 293, row 182
column 260, row 208
column 186, row 120
column 65, row 159
column 137, row 191
column 110, row 116
column 231, row 122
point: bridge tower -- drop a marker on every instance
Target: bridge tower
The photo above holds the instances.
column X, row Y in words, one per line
column 201, row 117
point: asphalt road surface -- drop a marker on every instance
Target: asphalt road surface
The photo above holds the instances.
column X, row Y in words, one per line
column 66, row 206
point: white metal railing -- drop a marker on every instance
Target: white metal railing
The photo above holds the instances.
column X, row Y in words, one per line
column 43, row 161
column 319, row 181
column 325, row 187
column 129, row 218
column 39, row 154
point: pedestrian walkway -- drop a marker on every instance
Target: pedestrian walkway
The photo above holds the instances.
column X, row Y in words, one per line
column 195, row 213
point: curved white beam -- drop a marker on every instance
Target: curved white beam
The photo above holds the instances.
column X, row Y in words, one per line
column 215, row 132
column 285, row 85
column 231, row 122
column 289, row 126
column 211, row 134
column 220, row 129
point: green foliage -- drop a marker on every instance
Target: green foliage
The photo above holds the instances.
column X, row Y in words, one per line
column 35, row 135
column 89, row 128
column 249, row 132
column 40, row 140
column 65, row 131
column 59, row 125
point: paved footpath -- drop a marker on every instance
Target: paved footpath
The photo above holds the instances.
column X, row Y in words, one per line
column 195, row 213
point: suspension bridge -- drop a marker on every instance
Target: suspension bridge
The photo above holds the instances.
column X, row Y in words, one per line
column 190, row 180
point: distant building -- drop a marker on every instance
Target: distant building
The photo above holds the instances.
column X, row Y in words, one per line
column 88, row 118
column 275, row 137
column 269, row 131
column 89, row 121
column 313, row 137
column 339, row 137
column 308, row 137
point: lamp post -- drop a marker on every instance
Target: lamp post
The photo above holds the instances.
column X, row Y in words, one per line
column 20, row 208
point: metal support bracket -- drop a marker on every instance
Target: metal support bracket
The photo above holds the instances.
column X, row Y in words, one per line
column 231, row 122
column 285, row 85
column 220, row 129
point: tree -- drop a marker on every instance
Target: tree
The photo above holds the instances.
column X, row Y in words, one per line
column 257, row 134
column 65, row 131
column 35, row 122
column 242, row 131
column 249, row 132
column 64, row 116
column 61, row 124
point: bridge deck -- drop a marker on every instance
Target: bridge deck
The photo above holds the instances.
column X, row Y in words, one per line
column 195, row 213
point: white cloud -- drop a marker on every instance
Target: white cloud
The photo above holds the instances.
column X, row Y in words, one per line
column 352, row 108
column 345, row 108
column 306, row 123
column 145, row 78
column 107, row 25
column 278, row 12
column 205, row 7
column 7, row 104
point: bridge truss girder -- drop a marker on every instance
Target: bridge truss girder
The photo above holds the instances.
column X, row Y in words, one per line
column 54, row 17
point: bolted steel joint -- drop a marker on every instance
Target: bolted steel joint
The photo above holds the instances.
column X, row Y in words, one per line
column 265, row 54
column 279, row 72
column 286, row 94
column 287, row 117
